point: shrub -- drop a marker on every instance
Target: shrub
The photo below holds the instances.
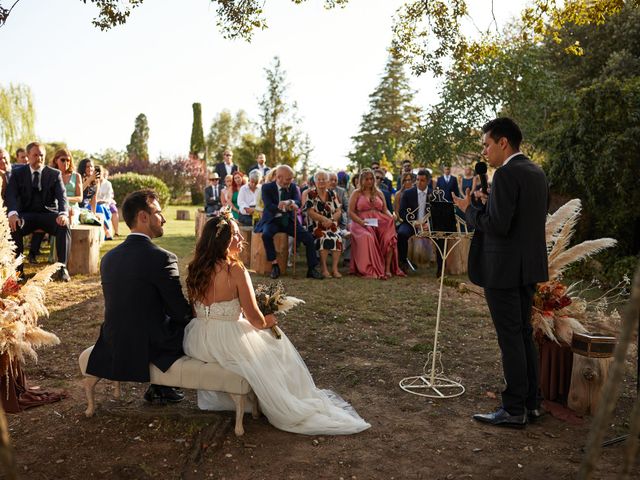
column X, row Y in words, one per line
column 125, row 183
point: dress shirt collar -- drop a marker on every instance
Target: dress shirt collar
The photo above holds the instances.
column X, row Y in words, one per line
column 38, row 170
column 140, row 235
column 514, row 155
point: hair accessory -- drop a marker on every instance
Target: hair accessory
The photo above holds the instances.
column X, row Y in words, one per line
column 225, row 217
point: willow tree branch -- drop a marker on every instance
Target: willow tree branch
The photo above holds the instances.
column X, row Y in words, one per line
column 4, row 13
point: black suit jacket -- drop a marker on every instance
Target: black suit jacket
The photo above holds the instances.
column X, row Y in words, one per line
column 509, row 247
column 449, row 187
column 145, row 312
column 211, row 205
column 20, row 189
column 222, row 171
column 409, row 201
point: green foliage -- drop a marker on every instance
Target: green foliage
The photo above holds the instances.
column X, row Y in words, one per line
column 17, row 117
column 235, row 132
column 113, row 160
column 125, row 183
column 392, row 121
column 138, row 149
column 197, row 133
column 282, row 140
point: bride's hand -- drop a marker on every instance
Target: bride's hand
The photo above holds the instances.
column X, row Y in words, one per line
column 270, row 320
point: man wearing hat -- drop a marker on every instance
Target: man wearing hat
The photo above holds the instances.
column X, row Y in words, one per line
column 212, row 202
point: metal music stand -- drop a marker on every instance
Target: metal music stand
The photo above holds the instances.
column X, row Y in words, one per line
column 433, row 383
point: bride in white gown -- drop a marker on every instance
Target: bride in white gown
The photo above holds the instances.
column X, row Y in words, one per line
column 230, row 329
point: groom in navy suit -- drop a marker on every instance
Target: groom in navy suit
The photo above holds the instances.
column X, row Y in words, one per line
column 415, row 201
column 281, row 201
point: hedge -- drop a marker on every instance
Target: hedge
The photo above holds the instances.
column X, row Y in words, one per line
column 125, row 183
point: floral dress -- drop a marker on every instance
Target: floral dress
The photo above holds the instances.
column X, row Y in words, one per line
column 325, row 238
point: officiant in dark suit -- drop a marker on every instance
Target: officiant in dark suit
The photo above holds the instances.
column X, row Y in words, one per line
column 37, row 200
column 508, row 257
column 145, row 311
column 281, row 201
column 415, row 201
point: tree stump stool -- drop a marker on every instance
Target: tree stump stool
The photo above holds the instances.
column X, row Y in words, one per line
column 245, row 254
column 259, row 262
column 84, row 254
column 592, row 358
column 201, row 219
column 183, row 215
column 420, row 251
column 456, row 263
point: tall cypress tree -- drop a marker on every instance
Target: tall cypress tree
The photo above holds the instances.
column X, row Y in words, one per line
column 389, row 125
column 138, row 150
column 197, row 132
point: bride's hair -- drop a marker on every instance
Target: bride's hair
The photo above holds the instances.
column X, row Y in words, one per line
column 212, row 249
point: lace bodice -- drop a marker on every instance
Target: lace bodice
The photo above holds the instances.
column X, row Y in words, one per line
column 227, row 311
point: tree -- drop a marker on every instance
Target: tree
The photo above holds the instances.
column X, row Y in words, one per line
column 137, row 150
column 282, row 140
column 17, row 117
column 391, row 122
column 227, row 131
column 197, row 133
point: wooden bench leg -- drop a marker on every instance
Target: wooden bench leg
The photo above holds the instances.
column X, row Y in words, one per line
column 239, row 401
column 255, row 407
column 89, row 390
column 116, row 390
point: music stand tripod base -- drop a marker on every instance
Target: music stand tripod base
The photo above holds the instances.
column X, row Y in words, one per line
column 441, row 387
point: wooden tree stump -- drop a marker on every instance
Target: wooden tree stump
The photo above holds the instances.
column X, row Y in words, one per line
column 456, row 263
column 201, row 219
column 183, row 215
column 420, row 251
column 587, row 379
column 259, row 262
column 245, row 254
column 84, row 255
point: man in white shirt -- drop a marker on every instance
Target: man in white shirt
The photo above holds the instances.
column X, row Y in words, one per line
column 226, row 167
column 247, row 198
column 413, row 208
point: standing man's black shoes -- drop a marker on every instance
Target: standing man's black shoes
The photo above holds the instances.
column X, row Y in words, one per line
column 62, row 275
column 275, row 271
column 535, row 414
column 314, row 273
column 502, row 418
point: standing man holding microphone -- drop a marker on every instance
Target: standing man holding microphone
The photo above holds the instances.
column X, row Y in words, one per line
column 508, row 257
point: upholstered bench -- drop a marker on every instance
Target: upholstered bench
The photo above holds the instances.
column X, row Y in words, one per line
column 184, row 373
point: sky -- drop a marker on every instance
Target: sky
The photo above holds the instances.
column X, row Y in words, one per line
column 89, row 85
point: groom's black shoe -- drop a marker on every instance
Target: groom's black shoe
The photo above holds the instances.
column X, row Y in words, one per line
column 275, row 271
column 161, row 394
column 534, row 414
column 502, row 418
column 314, row 273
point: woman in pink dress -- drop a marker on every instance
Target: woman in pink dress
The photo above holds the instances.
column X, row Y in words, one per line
column 374, row 251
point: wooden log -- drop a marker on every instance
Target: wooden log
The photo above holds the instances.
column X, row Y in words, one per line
column 420, row 251
column 259, row 262
column 183, row 215
column 201, row 219
column 245, row 254
column 84, row 255
column 587, row 379
column 456, row 263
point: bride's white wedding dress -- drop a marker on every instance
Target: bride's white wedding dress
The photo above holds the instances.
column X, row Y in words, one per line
column 277, row 374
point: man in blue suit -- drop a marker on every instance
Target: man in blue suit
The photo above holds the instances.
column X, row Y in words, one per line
column 281, row 201
column 414, row 201
column 448, row 183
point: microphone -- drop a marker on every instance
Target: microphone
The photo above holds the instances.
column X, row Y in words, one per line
column 481, row 170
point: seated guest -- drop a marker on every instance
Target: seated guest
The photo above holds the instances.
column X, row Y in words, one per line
column 91, row 180
column 247, row 199
column 382, row 186
column 260, row 165
column 107, row 197
column 238, row 182
column 406, row 168
column 227, row 192
column 21, row 157
column 373, row 233
column 281, row 201
column 257, row 213
column 415, row 202
column 324, row 213
column 5, row 170
column 213, row 195
column 36, row 200
column 406, row 182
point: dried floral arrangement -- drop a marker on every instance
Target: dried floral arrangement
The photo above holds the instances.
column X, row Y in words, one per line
column 560, row 309
column 21, row 305
column 272, row 299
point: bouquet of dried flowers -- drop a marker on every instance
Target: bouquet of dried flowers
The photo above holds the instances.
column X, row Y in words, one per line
column 20, row 305
column 272, row 299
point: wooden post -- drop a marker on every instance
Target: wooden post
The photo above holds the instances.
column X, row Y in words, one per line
column 420, row 251
column 201, row 219
column 259, row 262
column 587, row 379
column 183, row 215
column 456, row 263
column 84, row 255
column 245, row 254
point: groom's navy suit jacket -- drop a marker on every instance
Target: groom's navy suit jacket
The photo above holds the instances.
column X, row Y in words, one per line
column 145, row 312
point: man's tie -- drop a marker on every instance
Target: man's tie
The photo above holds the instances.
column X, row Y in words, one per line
column 36, row 180
column 284, row 219
column 215, row 196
